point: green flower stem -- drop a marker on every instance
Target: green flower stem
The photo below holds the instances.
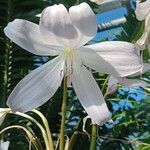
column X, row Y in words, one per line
column 63, row 113
column 105, row 84
column 93, row 137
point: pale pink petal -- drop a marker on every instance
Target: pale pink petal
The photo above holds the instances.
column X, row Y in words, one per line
column 90, row 95
column 56, row 25
column 142, row 10
column 4, row 145
column 37, row 87
column 27, row 35
column 116, row 58
column 84, row 20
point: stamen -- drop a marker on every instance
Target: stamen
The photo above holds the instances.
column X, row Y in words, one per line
column 68, row 54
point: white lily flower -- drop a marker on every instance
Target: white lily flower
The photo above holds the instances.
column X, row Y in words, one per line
column 4, row 145
column 143, row 13
column 3, row 113
column 63, row 34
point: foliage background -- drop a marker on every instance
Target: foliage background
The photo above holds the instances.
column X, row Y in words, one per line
column 130, row 107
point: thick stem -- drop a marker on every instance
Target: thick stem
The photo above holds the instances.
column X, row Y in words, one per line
column 93, row 137
column 63, row 113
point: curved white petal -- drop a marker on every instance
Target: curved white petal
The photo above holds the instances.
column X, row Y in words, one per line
column 142, row 10
column 4, row 145
column 90, row 95
column 84, row 20
column 55, row 24
column 37, row 87
column 27, row 35
column 117, row 58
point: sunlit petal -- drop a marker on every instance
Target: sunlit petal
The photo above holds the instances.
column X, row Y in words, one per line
column 37, row 87
column 4, row 145
column 142, row 10
column 27, row 35
column 84, row 20
column 55, row 24
column 117, row 58
column 90, row 95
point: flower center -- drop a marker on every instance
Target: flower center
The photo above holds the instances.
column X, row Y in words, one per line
column 69, row 52
column 68, row 56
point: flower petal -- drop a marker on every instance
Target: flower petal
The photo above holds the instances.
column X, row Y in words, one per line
column 37, row 87
column 117, row 58
column 90, row 95
column 142, row 10
column 4, row 145
column 133, row 83
column 55, row 24
column 113, row 81
column 146, row 67
column 84, row 21
column 27, row 35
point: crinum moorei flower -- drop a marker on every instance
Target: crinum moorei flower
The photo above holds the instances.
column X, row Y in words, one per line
column 143, row 13
column 63, row 34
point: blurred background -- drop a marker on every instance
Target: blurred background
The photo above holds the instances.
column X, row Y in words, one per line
column 130, row 107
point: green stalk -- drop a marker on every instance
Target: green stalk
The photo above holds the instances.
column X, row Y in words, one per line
column 93, row 137
column 63, row 113
column 104, row 85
